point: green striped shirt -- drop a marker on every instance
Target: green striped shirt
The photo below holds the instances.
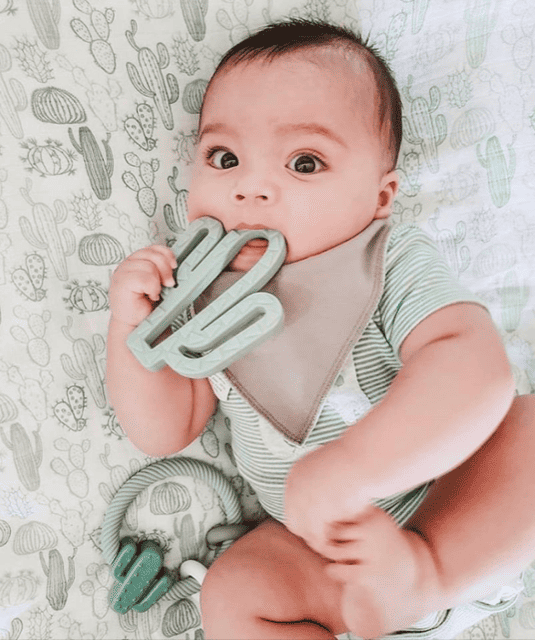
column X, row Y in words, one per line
column 418, row 282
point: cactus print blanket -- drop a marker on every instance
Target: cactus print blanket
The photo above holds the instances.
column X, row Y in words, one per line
column 98, row 114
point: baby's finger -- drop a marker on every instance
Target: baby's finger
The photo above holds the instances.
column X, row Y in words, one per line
column 146, row 283
column 350, row 552
column 343, row 573
column 340, row 532
column 163, row 259
column 167, row 253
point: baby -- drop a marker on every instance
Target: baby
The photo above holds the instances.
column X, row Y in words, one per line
column 401, row 485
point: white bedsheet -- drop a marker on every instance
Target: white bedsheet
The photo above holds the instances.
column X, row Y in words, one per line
column 94, row 161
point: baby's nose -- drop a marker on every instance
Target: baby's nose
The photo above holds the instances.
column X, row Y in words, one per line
column 254, row 189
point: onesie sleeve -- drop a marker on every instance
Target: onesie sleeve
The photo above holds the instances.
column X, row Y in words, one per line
column 418, row 282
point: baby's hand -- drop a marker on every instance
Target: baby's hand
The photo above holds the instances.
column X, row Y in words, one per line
column 390, row 579
column 136, row 283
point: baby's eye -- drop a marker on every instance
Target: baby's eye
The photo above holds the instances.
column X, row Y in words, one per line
column 306, row 163
column 222, row 159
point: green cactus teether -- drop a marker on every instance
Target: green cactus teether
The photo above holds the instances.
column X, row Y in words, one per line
column 240, row 319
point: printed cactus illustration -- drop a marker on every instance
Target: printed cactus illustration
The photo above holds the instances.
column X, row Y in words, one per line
column 156, row 9
column 459, row 89
column 73, row 521
column 499, row 173
column 180, row 617
column 495, row 259
column 457, row 256
column 29, row 279
column 419, row 9
column 97, row 588
column 387, row 41
column 99, row 96
column 188, row 540
column 45, row 234
column 32, row 393
column 186, row 59
column 99, row 46
column 27, row 461
column 149, row 80
column 87, row 212
column 185, row 147
column 57, row 106
column 12, row 98
column 140, row 577
column 138, row 237
column 48, row 159
column 45, row 15
column 177, row 218
column 459, row 185
column 409, row 173
column 57, row 584
column 472, row 126
column 16, row 589
column 236, row 25
column 100, row 249
column 522, row 47
column 145, row 195
column 193, row 96
column 87, row 367
column 99, row 170
column 514, row 298
column 86, row 298
column 481, row 19
column 36, row 345
column 118, row 476
column 77, row 478
column 421, row 129
column 70, row 412
column 483, row 225
column 194, row 12
column 33, row 60
column 140, row 129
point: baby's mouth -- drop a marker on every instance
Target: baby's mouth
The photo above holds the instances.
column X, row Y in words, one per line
column 248, row 255
column 257, row 242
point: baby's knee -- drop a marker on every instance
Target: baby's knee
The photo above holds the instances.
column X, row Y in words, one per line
column 227, row 582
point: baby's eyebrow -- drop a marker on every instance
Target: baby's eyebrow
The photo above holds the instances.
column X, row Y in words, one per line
column 311, row 127
column 283, row 129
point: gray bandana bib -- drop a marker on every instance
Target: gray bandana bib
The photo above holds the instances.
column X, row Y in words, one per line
column 328, row 300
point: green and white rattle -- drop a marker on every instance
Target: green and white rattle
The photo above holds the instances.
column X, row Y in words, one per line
column 140, row 578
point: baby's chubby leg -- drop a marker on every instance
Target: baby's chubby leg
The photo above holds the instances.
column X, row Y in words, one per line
column 270, row 584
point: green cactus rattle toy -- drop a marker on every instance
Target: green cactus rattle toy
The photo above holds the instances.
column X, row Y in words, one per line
column 141, row 578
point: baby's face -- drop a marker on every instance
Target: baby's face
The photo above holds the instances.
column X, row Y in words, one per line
column 291, row 145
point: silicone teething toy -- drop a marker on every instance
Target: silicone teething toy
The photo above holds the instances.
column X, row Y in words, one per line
column 140, row 577
column 237, row 321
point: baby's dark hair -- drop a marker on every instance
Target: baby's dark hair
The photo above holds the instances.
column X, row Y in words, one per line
column 281, row 38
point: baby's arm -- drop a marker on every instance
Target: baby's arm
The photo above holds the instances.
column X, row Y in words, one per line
column 453, row 391
column 161, row 412
column 449, row 397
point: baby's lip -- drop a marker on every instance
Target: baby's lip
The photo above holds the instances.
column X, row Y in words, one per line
column 255, row 242
column 242, row 225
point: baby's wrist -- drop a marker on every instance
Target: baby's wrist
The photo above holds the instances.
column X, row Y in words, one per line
column 121, row 326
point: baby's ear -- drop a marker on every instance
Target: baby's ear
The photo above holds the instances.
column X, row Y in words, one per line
column 387, row 192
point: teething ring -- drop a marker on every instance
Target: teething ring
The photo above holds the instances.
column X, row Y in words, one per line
column 140, row 579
